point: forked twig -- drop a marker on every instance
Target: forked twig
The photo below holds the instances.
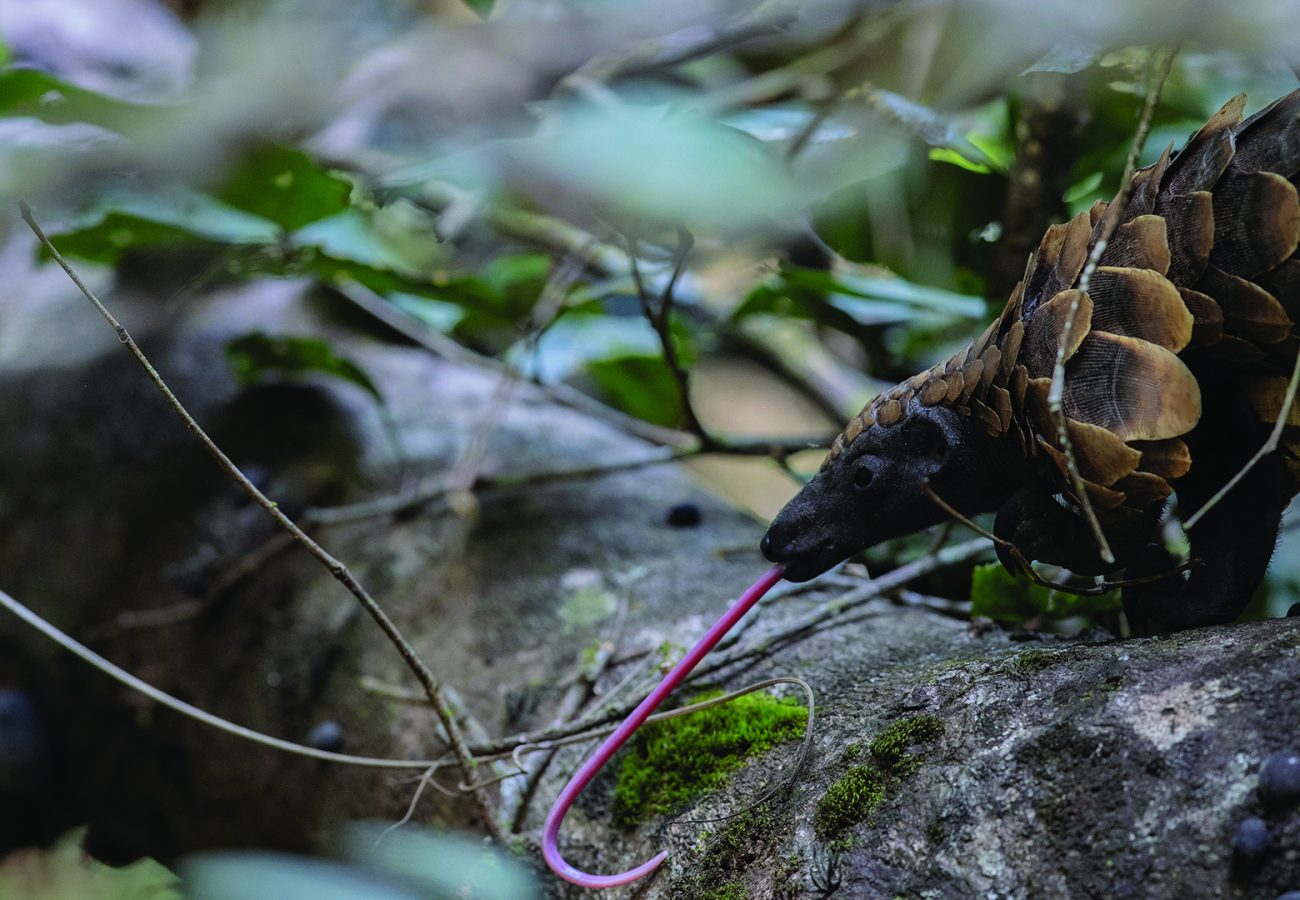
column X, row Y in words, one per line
column 432, row 686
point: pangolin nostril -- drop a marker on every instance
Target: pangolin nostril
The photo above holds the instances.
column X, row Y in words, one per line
column 765, row 546
column 788, row 550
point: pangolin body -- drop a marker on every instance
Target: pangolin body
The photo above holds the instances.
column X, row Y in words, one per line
column 1175, row 362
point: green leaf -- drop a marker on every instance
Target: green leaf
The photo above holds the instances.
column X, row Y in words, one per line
column 997, row 594
column 945, row 154
column 257, row 356
column 640, row 385
column 481, row 8
column 578, row 339
column 285, row 186
column 117, row 223
column 40, row 95
column 67, row 872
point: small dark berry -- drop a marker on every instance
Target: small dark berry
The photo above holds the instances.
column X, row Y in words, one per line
column 23, row 744
column 1293, row 613
column 1251, row 841
column 684, row 515
column 1279, row 780
column 327, row 735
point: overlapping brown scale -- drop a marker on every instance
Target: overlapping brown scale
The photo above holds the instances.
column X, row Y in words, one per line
column 934, row 391
column 1189, row 231
column 1265, row 397
column 1256, row 222
column 1283, row 282
column 1044, row 329
column 1206, row 155
column 1169, row 458
column 1207, row 317
column 1140, row 303
column 1239, row 351
column 1102, row 497
column 991, row 421
column 1073, row 253
column 1101, row 456
column 888, row 412
column 1270, row 139
column 1141, row 489
column 1136, row 389
column 1139, row 243
column 1010, row 348
column 971, row 374
column 1146, row 186
column 1249, row 311
column 999, row 400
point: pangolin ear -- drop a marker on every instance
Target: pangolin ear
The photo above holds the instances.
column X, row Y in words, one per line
column 927, row 441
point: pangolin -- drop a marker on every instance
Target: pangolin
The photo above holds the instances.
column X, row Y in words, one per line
column 1176, row 366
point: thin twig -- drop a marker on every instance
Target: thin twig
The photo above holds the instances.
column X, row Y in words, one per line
column 660, row 319
column 121, row 675
column 1110, row 221
column 1103, row 587
column 1270, row 445
column 1011, row 548
column 423, row 674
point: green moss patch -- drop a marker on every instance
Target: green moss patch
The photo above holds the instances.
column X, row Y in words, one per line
column 672, row 761
column 856, row 794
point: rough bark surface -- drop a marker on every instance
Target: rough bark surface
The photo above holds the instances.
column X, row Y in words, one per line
column 1112, row 769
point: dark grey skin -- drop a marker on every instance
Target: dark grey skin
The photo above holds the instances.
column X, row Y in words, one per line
column 875, row 489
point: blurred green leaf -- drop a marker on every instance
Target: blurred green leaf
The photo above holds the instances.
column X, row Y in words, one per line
column 407, row 864
column 31, row 92
column 577, row 339
column 439, row 315
column 1067, row 56
column 67, row 872
column 285, row 186
column 440, row 863
column 177, row 217
column 276, row 876
column 642, row 386
column 481, row 8
column 257, row 356
column 631, row 161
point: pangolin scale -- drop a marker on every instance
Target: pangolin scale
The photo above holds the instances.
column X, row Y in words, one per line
column 1175, row 369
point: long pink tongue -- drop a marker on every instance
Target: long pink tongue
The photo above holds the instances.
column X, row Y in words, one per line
column 589, row 770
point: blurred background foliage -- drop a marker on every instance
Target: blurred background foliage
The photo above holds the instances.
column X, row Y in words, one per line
column 783, row 205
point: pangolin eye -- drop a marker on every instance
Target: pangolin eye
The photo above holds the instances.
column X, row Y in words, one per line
column 862, row 478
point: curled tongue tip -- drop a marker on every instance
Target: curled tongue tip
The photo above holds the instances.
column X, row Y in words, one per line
column 611, row 744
